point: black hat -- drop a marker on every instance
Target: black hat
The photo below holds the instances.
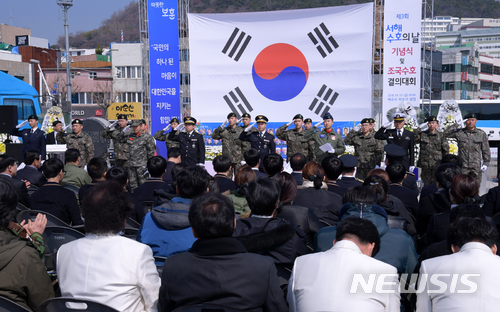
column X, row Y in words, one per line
column 298, row 116
column 231, row 115
column 246, row 115
column 261, row 118
column 33, row 117
column 431, row 118
column 308, row 120
column 189, row 120
column 394, row 152
column 399, row 117
column 174, row 120
column 470, row 115
column 138, row 122
column 55, row 123
column 368, row 120
column 349, row 161
column 327, row 116
column 77, row 122
column 122, row 116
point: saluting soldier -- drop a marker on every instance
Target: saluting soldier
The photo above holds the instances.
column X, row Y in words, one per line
column 231, row 143
column 260, row 140
column 79, row 140
column 433, row 146
column 473, row 147
column 367, row 149
column 324, row 137
column 121, row 150
column 160, row 135
column 246, row 119
column 310, row 149
column 295, row 138
column 191, row 143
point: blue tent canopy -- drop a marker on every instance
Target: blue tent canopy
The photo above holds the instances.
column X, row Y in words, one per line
column 10, row 85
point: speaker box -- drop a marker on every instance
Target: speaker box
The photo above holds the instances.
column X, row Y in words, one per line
column 8, row 118
column 14, row 149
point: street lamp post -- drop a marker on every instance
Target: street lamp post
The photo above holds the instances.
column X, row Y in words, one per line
column 65, row 5
column 57, row 64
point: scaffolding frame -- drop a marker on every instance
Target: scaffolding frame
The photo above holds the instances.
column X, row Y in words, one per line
column 426, row 83
column 377, row 54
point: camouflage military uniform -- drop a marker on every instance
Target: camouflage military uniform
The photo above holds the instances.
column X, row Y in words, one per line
column 433, row 146
column 81, row 142
column 367, row 149
column 35, row 240
column 141, row 148
column 231, row 145
column 121, row 150
column 161, row 136
column 322, row 137
column 247, row 145
column 295, row 141
column 473, row 147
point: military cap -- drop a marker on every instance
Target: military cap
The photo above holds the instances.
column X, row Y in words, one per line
column 368, row 120
column 399, row 116
column 431, row 118
column 174, row 120
column 394, row 152
column 298, row 116
column 189, row 120
column 122, row 116
column 308, row 120
column 470, row 115
column 138, row 122
column 261, row 118
column 327, row 116
column 349, row 161
column 55, row 123
column 231, row 115
column 77, row 122
column 33, row 117
column 246, row 115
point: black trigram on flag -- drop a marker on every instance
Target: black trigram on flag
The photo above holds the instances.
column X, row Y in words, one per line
column 237, row 102
column 325, row 100
column 319, row 39
column 239, row 45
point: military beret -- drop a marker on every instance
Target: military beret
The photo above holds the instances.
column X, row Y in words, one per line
column 189, row 120
column 231, row 115
column 33, row 117
column 55, row 123
column 246, row 115
column 261, row 118
column 327, row 116
column 394, row 152
column 308, row 120
column 77, row 122
column 174, row 120
column 298, row 116
column 368, row 120
column 431, row 118
column 122, row 116
column 399, row 116
column 138, row 122
column 349, row 161
column 470, row 115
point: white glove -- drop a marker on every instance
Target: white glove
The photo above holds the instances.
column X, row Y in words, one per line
column 126, row 129
column 249, row 127
column 179, row 126
column 290, row 123
column 377, row 166
column 382, row 165
column 463, row 123
column 318, row 124
column 331, row 151
column 166, row 128
column 387, row 125
column 483, row 168
column 357, row 128
column 201, row 165
column 423, row 126
column 239, row 120
column 22, row 124
column 243, row 162
column 66, row 128
column 412, row 168
column 224, row 124
column 113, row 124
column 182, row 129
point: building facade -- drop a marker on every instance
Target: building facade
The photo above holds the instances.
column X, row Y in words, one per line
column 460, row 72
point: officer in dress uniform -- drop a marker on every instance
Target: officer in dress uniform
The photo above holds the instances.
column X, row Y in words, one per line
column 33, row 139
column 191, row 143
column 260, row 140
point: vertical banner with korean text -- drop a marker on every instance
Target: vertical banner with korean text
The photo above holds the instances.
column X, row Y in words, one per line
column 164, row 64
column 402, row 27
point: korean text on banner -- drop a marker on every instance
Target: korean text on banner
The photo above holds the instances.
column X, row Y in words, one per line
column 163, row 64
column 402, row 26
column 133, row 110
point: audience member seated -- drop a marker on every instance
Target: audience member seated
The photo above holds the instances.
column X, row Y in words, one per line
column 74, row 175
column 273, row 164
column 447, row 159
column 222, row 167
column 397, row 174
column 473, row 242
column 173, row 157
column 333, row 168
column 395, row 154
column 96, row 169
column 23, row 276
column 323, row 281
column 243, row 177
column 119, row 175
column 8, row 170
column 303, row 217
column 157, row 166
column 297, row 163
column 252, row 158
column 31, row 172
column 216, row 268
column 492, row 203
column 314, row 194
column 166, row 228
column 104, row 266
column 396, row 248
column 55, row 199
column 161, row 196
column 265, row 234
column 391, row 199
column 350, row 162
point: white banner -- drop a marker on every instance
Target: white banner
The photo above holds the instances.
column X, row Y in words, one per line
column 282, row 63
column 402, row 25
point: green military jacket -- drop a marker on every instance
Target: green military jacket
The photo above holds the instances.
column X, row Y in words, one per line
column 367, row 149
column 433, row 146
column 81, row 142
column 296, row 141
column 76, row 176
column 121, row 149
column 473, row 146
column 161, row 136
column 322, row 137
column 231, row 144
column 141, row 147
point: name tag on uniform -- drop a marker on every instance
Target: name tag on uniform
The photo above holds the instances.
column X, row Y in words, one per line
column 322, row 136
column 333, row 137
column 391, row 137
column 194, row 139
column 407, row 138
column 266, row 140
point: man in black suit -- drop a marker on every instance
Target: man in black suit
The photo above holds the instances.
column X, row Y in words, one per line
column 8, row 170
column 157, row 166
column 173, row 157
column 96, row 168
column 222, row 166
column 51, row 137
column 31, row 172
column 260, row 140
column 252, row 158
column 191, row 143
column 333, row 168
column 348, row 172
column 397, row 174
column 33, row 139
column 297, row 162
column 273, row 164
column 401, row 137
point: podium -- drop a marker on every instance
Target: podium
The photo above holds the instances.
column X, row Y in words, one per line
column 56, row 151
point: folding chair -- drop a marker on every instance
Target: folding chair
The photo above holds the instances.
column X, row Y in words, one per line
column 31, row 215
column 204, row 308
column 73, row 305
column 7, row 305
column 54, row 238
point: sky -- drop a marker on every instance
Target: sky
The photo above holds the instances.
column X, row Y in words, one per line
column 43, row 16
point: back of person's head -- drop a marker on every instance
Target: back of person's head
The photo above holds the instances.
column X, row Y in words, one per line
column 252, row 157
column 288, row 187
column 333, row 167
column 52, row 167
column 466, row 211
column 360, row 230
column 96, row 168
column 243, row 177
column 314, row 172
column 8, row 203
column 192, row 182
column 173, row 152
column 298, row 161
column 396, row 172
column 118, row 175
column 221, row 163
column 175, row 172
column 30, row 156
column 156, row 166
column 466, row 230
column 71, row 155
column 451, row 159
column 359, row 194
column 273, row 164
column 380, row 172
column 212, row 216
column 464, row 189
column 263, row 196
column 213, row 186
column 445, row 174
column 106, row 208
column 378, row 186
column 6, row 161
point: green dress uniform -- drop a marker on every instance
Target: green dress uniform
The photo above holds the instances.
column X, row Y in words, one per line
column 433, row 146
column 231, row 145
column 367, row 149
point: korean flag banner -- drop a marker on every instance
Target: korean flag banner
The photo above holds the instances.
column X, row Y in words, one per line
column 282, row 63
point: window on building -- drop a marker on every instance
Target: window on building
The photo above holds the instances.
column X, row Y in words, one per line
column 486, row 85
column 139, row 72
column 72, row 75
column 75, row 98
column 92, row 75
column 119, row 72
column 139, row 97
